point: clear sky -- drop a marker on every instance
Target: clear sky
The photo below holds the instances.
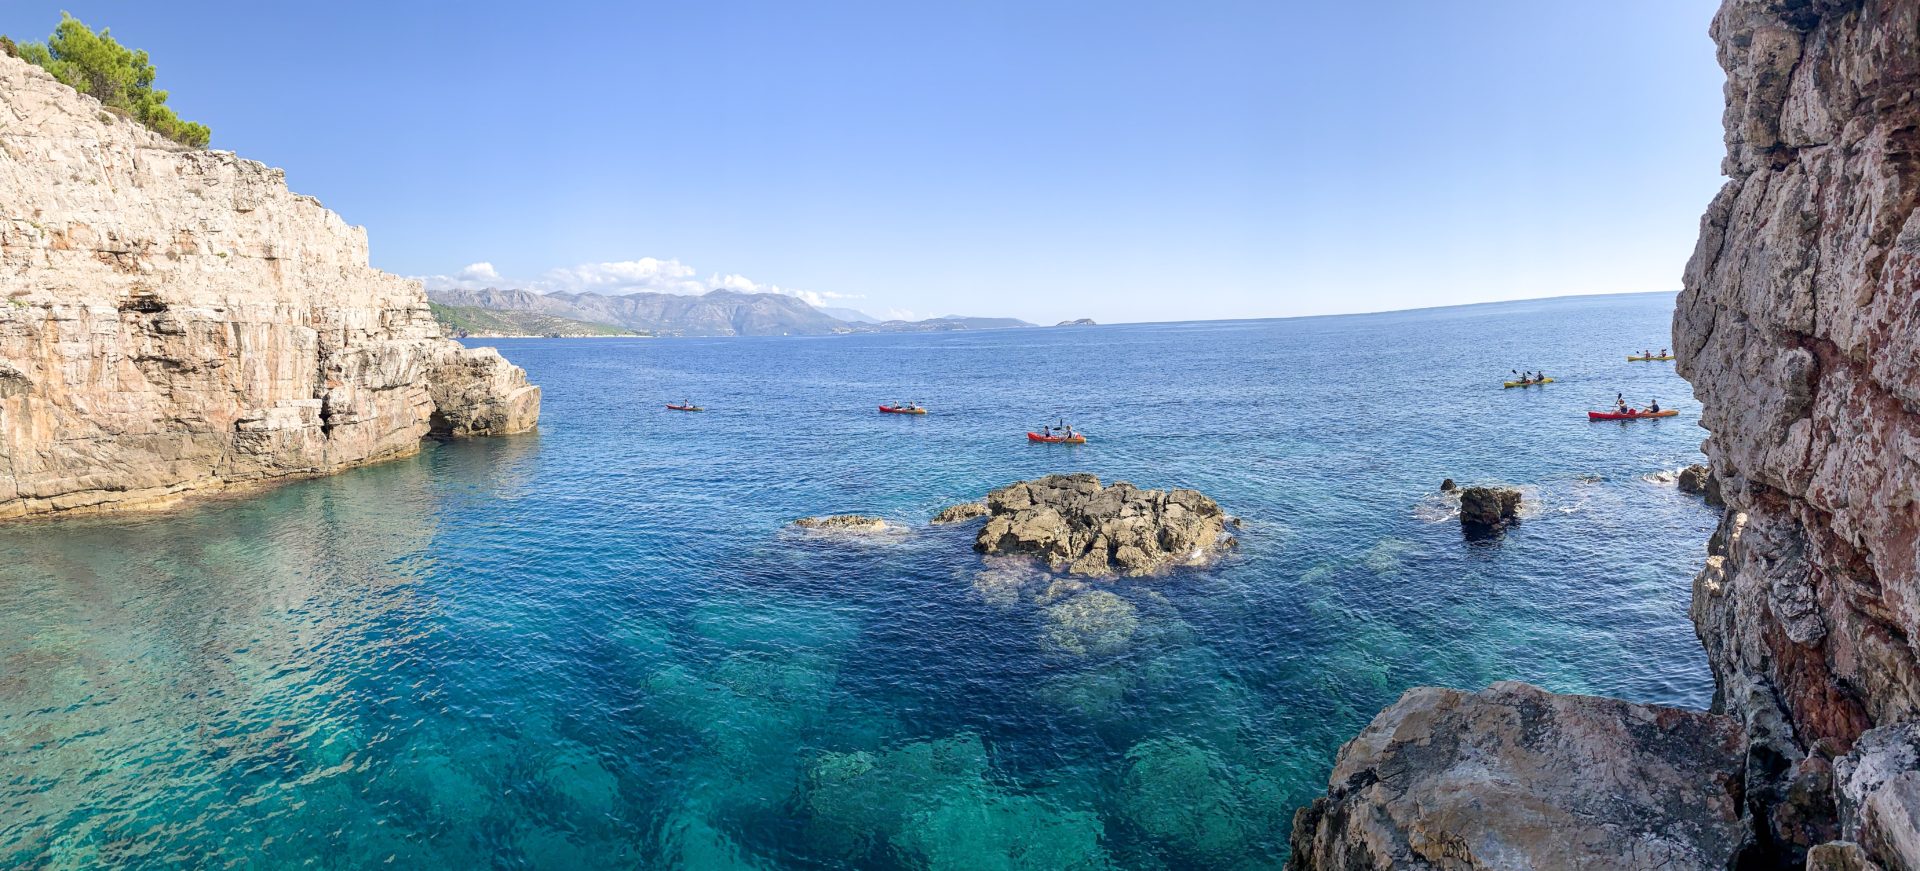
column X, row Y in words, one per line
column 1046, row 160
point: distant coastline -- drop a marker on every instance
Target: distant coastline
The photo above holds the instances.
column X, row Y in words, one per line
column 543, row 325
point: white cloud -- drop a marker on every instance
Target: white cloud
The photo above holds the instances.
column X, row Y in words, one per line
column 473, row 276
column 617, row 277
column 622, row 276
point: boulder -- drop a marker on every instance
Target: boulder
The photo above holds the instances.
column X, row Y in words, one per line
column 962, row 512
column 1078, row 526
column 1487, row 510
column 1517, row 777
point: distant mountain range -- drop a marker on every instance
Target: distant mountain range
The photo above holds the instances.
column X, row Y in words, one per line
column 715, row 313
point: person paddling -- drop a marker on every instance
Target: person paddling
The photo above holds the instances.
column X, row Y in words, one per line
column 1653, row 407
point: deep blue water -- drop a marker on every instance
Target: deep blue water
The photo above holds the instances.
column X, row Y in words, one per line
column 600, row 646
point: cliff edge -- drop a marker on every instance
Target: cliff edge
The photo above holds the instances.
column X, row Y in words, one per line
column 176, row 321
column 1800, row 330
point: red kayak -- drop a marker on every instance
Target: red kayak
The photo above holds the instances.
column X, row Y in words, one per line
column 1075, row 439
column 898, row 409
column 672, row 407
column 1631, row 415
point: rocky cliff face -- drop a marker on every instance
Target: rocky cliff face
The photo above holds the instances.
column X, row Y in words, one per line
column 1800, row 331
column 178, row 321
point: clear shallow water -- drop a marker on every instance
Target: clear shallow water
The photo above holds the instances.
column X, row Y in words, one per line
column 599, row 645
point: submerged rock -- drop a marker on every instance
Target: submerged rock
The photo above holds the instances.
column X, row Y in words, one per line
column 1517, row 777
column 1184, row 796
column 1078, row 526
column 934, row 801
column 1094, row 622
column 961, row 512
column 1488, row 510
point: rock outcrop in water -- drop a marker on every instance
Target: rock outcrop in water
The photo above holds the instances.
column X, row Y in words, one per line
column 1800, row 330
column 1699, row 481
column 1486, row 511
column 177, row 321
column 1080, row 527
column 960, row 513
column 849, row 524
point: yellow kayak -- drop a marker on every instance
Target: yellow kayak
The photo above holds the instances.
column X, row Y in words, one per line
column 1648, row 359
column 1526, row 383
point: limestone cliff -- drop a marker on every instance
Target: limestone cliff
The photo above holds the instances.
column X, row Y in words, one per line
column 176, row 321
column 1800, row 330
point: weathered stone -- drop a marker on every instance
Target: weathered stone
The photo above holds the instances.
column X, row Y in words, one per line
column 849, row 523
column 1799, row 328
column 1517, row 777
column 1840, row 856
column 1080, row 527
column 1487, row 510
column 177, row 321
column 962, row 512
column 1699, row 480
column 1879, row 791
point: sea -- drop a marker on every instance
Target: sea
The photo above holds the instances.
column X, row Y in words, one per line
column 603, row 645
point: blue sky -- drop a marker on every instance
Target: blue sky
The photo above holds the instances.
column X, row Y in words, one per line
column 1047, row 160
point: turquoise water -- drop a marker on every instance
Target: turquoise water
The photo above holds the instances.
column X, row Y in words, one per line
column 599, row 645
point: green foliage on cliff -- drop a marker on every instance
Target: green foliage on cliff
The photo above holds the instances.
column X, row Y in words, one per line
column 458, row 319
column 119, row 77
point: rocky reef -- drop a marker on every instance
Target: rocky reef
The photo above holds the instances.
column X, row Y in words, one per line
column 849, row 524
column 1799, row 329
column 177, row 321
column 1078, row 526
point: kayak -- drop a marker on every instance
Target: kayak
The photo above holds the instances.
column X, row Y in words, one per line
column 1075, row 439
column 672, row 407
column 1632, row 415
column 1649, row 359
column 1527, row 383
column 894, row 409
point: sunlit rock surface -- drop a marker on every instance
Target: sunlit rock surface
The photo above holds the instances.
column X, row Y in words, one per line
column 1517, row 777
column 1078, row 526
column 176, row 321
column 1800, row 332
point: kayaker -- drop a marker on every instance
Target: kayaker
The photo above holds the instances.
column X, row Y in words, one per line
column 1663, row 353
column 1653, row 407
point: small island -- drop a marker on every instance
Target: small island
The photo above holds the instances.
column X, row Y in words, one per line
column 1081, row 322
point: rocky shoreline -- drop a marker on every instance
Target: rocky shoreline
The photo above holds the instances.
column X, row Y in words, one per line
column 180, row 323
column 1799, row 332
